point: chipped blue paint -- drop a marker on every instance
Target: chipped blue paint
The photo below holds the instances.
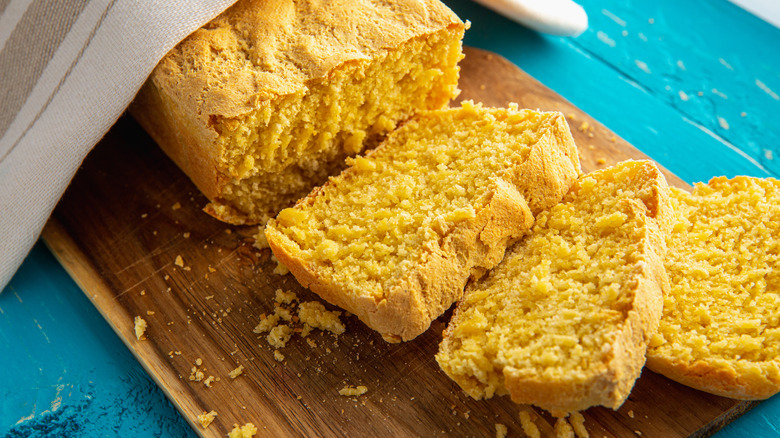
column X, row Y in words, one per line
column 693, row 84
column 65, row 372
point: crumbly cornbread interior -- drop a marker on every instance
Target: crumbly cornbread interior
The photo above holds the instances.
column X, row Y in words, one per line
column 288, row 145
column 552, row 309
column 724, row 269
column 378, row 222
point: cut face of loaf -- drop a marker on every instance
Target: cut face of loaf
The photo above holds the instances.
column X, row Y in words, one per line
column 266, row 101
column 720, row 330
column 395, row 237
column 564, row 320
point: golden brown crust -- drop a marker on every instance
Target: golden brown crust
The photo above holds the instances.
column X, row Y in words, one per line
column 472, row 246
column 723, row 381
column 256, row 52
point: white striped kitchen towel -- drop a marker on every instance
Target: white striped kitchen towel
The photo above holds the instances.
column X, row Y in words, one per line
column 68, row 69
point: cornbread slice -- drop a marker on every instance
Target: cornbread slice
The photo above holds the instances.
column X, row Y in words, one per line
column 564, row 320
column 394, row 238
column 720, row 330
column 265, row 101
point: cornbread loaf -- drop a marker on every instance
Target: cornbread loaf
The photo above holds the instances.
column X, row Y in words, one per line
column 394, row 238
column 265, row 101
column 720, row 330
column 564, row 320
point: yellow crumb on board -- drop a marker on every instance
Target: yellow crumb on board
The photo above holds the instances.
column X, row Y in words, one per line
column 501, row 430
column 315, row 315
column 601, row 161
column 179, row 261
column 176, row 206
column 528, row 425
column 236, row 372
column 206, row 418
column 278, row 356
column 285, row 297
column 139, row 327
column 563, row 429
column 279, row 335
column 246, row 431
column 209, row 381
column 350, row 391
column 578, row 424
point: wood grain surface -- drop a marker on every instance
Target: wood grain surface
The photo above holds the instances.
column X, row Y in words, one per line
column 130, row 213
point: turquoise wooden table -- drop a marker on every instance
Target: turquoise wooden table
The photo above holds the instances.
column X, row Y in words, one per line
column 692, row 84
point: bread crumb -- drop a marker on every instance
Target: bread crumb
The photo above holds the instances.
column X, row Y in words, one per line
column 283, row 313
column 631, row 414
column 601, row 161
column 236, row 372
column 315, row 315
column 196, row 375
column 501, row 430
column 279, row 335
column 140, row 328
column 179, row 261
column 283, row 297
column 584, row 127
column 176, row 206
column 578, row 423
column 187, row 236
column 209, row 381
column 349, row 391
column 278, row 356
column 266, row 323
column 246, row 431
column 613, row 139
column 143, row 292
column 563, row 429
column 529, row 428
column 209, row 297
column 206, row 418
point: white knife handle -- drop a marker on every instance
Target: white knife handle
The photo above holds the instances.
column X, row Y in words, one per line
column 556, row 17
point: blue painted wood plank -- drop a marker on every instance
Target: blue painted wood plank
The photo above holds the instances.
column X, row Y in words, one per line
column 693, row 84
column 65, row 372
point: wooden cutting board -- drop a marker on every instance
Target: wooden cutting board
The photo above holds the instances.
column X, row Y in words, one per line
column 130, row 213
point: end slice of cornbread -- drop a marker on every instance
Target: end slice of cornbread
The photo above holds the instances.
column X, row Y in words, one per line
column 720, row 330
column 264, row 102
column 564, row 320
column 395, row 237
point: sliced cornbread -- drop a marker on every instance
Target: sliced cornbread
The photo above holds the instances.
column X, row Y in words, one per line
column 564, row 320
column 720, row 330
column 394, row 238
column 266, row 100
